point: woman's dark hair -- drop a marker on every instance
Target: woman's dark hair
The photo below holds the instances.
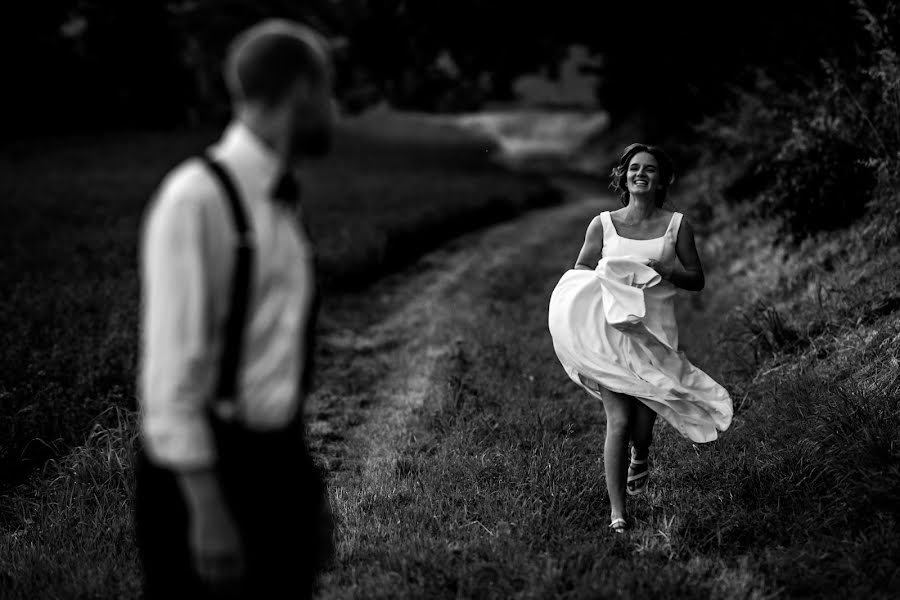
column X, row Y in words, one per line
column 618, row 176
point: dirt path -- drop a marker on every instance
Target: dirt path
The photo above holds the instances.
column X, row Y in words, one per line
column 382, row 349
column 459, row 457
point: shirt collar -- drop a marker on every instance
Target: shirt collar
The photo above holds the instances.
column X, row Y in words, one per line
column 248, row 152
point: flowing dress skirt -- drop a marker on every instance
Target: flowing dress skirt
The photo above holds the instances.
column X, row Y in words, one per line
column 616, row 326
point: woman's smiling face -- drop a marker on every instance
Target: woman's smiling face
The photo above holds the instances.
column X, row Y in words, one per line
column 643, row 173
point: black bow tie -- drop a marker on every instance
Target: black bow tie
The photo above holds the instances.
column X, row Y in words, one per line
column 287, row 190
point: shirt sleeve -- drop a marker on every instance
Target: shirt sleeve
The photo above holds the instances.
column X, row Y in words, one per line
column 177, row 367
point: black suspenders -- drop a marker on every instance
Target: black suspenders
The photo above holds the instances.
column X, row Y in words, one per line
column 235, row 320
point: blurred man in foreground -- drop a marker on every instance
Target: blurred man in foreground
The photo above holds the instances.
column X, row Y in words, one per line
column 228, row 501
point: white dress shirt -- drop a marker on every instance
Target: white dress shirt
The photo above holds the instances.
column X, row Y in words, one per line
column 187, row 264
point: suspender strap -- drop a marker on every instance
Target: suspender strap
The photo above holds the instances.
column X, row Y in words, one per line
column 235, row 320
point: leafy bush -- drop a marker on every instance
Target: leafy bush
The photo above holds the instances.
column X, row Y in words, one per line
column 819, row 183
column 816, row 156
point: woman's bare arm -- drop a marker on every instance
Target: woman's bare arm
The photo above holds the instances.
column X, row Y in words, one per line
column 592, row 248
column 690, row 275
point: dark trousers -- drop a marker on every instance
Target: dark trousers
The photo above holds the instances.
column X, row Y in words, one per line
column 277, row 498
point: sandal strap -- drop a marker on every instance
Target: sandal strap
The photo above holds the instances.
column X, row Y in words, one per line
column 639, row 476
column 616, row 522
column 636, row 461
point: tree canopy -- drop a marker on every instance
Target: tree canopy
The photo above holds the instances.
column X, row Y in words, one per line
column 83, row 64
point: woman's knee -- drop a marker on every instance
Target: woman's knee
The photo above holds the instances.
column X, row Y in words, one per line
column 618, row 410
column 618, row 425
column 618, row 419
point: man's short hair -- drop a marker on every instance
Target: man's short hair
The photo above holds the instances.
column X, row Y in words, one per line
column 264, row 61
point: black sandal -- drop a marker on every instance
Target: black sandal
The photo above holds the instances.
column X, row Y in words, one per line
column 619, row 525
column 640, row 480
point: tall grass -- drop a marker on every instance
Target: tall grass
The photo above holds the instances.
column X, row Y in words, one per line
column 498, row 490
column 68, row 533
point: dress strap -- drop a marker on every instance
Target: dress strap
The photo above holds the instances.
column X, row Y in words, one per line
column 609, row 230
column 674, row 226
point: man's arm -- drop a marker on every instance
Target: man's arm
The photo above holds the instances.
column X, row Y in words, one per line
column 177, row 367
column 213, row 534
column 178, row 373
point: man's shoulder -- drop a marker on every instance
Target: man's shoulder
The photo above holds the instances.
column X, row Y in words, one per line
column 188, row 182
column 187, row 189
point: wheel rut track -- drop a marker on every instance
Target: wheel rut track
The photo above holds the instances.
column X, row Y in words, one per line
column 383, row 349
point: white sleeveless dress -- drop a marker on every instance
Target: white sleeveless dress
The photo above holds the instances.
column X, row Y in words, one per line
column 616, row 326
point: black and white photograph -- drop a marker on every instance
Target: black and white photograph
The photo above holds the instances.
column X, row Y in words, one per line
column 431, row 299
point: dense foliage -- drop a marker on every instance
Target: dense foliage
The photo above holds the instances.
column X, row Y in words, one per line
column 816, row 157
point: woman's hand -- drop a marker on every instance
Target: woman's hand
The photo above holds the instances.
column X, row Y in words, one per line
column 664, row 269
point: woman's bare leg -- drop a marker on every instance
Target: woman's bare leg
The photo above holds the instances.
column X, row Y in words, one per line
column 618, row 408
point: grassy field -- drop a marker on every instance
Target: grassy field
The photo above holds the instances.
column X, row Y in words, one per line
column 393, row 188
column 497, row 489
column 492, row 485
